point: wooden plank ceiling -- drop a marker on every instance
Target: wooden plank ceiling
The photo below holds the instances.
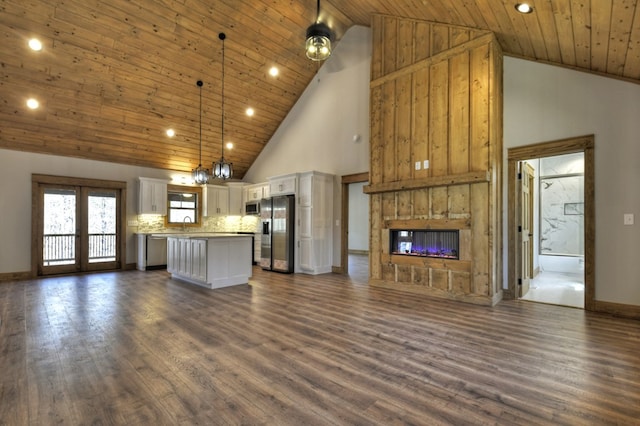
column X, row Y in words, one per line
column 115, row 74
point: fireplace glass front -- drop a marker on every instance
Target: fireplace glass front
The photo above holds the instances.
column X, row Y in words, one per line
column 426, row 242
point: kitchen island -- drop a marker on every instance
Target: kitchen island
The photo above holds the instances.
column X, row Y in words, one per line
column 210, row 260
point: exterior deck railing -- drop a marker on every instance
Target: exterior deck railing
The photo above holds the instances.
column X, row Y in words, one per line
column 60, row 248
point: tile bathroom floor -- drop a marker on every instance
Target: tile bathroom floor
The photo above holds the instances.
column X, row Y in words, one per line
column 557, row 288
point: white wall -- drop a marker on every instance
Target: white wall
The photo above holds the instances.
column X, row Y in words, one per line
column 328, row 128
column 16, row 168
column 545, row 103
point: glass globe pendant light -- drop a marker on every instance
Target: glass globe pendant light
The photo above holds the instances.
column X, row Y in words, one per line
column 200, row 175
column 221, row 168
column 318, row 46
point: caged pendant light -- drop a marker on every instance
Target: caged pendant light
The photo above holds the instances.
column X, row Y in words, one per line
column 222, row 169
column 200, row 175
column 319, row 36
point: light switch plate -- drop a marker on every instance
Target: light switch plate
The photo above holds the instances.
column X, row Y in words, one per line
column 132, row 223
column 628, row 219
column 417, row 165
column 426, row 164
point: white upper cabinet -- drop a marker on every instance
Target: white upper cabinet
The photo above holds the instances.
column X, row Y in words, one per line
column 283, row 185
column 152, row 196
column 256, row 192
column 216, row 200
column 236, row 204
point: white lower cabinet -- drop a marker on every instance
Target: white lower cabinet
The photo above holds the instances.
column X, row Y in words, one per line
column 213, row 262
column 199, row 260
column 184, row 259
column 173, row 255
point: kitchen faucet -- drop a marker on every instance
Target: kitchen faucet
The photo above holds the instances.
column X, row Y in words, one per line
column 184, row 223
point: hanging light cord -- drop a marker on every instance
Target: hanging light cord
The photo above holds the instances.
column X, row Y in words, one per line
column 200, row 85
column 318, row 12
column 222, row 36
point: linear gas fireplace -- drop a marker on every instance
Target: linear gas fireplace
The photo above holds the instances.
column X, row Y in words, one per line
column 426, row 243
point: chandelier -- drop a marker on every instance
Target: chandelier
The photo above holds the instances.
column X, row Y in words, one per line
column 222, row 169
column 200, row 175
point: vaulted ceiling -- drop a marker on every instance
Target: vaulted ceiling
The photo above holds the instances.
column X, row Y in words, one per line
column 113, row 75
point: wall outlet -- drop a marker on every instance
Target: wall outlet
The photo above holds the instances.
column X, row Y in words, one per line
column 417, row 165
column 628, row 219
column 426, row 164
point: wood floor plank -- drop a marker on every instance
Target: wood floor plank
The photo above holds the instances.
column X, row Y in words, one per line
column 13, row 367
column 140, row 348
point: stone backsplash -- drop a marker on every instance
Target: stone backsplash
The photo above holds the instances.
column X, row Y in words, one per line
column 154, row 223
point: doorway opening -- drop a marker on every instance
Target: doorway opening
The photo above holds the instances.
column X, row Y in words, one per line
column 552, row 222
column 77, row 225
column 355, row 227
column 552, row 237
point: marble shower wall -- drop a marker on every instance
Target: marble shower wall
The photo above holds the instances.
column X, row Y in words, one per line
column 562, row 205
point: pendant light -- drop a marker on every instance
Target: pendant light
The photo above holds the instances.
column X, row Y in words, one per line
column 222, row 169
column 200, row 175
column 318, row 39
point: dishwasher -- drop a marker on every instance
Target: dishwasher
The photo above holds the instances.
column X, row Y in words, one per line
column 152, row 252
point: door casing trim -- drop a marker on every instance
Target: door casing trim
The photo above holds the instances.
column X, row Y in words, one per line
column 584, row 144
column 346, row 180
column 39, row 179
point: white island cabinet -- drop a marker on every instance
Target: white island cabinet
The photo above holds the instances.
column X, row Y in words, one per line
column 210, row 260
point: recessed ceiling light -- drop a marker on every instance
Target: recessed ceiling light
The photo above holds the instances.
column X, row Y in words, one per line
column 273, row 71
column 35, row 44
column 171, row 133
column 229, row 145
column 250, row 112
column 33, row 103
column 524, row 8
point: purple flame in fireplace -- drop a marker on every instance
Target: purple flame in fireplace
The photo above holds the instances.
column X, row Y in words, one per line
column 427, row 243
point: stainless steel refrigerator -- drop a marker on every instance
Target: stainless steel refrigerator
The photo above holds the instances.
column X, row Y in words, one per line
column 276, row 248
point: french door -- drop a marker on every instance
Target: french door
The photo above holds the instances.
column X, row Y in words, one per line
column 78, row 225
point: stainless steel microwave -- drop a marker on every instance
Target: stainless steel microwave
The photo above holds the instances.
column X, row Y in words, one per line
column 252, row 208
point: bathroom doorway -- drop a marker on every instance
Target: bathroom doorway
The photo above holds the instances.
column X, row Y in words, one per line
column 552, row 237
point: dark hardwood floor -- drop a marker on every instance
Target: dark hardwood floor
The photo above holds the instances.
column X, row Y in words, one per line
column 139, row 348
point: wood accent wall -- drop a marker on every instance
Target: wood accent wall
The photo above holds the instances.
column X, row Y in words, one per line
column 436, row 95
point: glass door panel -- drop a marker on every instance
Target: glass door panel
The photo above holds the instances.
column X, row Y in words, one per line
column 102, row 220
column 60, row 252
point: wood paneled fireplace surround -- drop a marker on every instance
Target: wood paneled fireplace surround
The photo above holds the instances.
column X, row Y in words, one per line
column 436, row 159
